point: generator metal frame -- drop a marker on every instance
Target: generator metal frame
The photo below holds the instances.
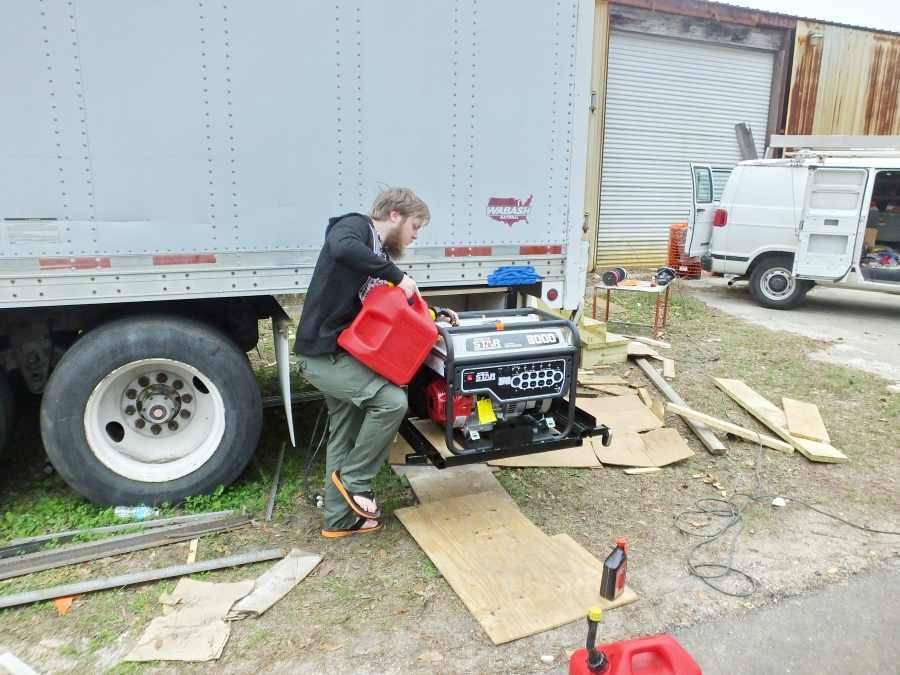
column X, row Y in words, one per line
column 579, row 424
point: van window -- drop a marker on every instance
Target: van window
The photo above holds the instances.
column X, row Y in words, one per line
column 703, row 187
column 720, row 178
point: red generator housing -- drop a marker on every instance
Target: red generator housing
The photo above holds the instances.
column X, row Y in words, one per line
column 436, row 404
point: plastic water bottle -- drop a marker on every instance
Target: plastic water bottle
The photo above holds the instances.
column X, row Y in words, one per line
column 135, row 512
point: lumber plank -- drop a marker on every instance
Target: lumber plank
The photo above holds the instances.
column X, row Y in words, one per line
column 592, row 379
column 804, row 420
column 645, row 396
column 661, row 344
column 730, row 428
column 638, row 349
column 514, row 579
column 703, row 432
column 770, row 415
column 611, row 389
column 668, row 368
column 641, row 470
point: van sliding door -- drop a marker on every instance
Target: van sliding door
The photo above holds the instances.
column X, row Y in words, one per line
column 830, row 222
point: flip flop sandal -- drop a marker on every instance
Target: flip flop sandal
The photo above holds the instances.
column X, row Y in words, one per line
column 351, row 502
column 356, row 528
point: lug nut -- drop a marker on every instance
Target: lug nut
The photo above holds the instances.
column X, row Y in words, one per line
column 155, row 429
column 178, row 384
column 185, row 413
column 140, row 424
column 143, row 380
column 131, row 393
column 173, row 426
column 161, row 377
column 130, row 410
column 187, row 398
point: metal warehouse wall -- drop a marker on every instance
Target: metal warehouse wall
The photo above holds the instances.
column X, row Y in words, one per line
column 844, row 81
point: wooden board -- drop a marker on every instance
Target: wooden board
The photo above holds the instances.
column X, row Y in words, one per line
column 430, row 484
column 703, row 432
column 668, row 368
column 622, row 414
column 591, row 379
column 514, row 579
column 770, row 415
column 582, row 457
column 731, row 428
column 640, row 349
column 652, row 449
column 645, row 397
column 642, row 470
column 611, row 389
column 804, row 420
column 432, row 431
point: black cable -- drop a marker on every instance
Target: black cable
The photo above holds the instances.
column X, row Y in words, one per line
column 733, row 512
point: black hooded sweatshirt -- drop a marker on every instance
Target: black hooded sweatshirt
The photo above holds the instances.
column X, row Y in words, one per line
column 346, row 261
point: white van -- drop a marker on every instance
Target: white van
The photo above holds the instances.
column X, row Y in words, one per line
column 789, row 224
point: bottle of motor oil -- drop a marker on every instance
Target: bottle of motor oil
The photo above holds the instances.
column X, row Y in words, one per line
column 613, row 581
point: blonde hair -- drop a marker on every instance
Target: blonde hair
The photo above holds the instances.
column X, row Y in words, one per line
column 402, row 200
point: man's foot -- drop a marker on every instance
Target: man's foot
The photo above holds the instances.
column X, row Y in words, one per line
column 361, row 526
column 362, row 503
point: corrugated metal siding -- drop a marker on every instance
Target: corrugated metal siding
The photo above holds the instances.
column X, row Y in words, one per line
column 670, row 102
column 844, row 81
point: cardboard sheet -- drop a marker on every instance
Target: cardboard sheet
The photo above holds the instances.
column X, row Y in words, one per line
column 192, row 627
column 274, row 584
column 654, row 448
column 622, row 414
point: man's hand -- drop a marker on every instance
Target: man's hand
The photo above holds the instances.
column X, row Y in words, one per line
column 446, row 315
column 408, row 286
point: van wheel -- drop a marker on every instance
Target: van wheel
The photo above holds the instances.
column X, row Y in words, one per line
column 7, row 410
column 772, row 284
column 151, row 409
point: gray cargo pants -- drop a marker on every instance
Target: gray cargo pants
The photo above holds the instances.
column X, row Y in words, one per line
column 364, row 413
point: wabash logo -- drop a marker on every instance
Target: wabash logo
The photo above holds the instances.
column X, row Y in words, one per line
column 509, row 210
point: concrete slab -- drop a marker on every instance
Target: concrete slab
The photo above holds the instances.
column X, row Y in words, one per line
column 842, row 629
column 863, row 327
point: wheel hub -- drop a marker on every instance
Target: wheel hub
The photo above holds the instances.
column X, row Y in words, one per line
column 778, row 284
column 156, row 403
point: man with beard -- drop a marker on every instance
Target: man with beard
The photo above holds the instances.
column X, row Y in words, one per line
column 364, row 409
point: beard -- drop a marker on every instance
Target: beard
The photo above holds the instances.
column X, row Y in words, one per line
column 392, row 246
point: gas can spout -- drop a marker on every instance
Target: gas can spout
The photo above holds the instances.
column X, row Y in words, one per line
column 596, row 659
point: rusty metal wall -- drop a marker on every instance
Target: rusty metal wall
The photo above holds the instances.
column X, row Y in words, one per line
column 844, row 81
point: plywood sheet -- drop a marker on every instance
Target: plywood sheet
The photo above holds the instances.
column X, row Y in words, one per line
column 804, row 420
column 622, row 414
column 654, row 448
column 770, row 415
column 431, row 484
column 579, row 457
column 601, row 379
column 514, row 579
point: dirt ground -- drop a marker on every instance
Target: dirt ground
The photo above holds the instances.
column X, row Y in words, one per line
column 378, row 605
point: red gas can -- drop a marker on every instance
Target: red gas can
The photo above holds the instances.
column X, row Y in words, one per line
column 391, row 335
column 657, row 655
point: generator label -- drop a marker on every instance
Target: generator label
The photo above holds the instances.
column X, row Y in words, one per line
column 509, row 210
column 487, row 343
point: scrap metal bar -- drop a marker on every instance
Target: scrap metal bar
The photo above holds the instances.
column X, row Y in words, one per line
column 271, row 507
column 92, row 550
column 138, row 577
column 30, row 544
column 703, row 432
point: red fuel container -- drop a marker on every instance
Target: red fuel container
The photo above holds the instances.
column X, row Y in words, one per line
column 657, row 655
column 390, row 335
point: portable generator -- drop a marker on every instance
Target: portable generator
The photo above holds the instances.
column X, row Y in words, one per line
column 502, row 383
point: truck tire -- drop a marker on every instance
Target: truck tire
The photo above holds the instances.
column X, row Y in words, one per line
column 772, row 283
column 7, row 410
column 149, row 410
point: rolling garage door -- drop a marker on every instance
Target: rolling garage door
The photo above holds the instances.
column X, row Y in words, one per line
column 670, row 102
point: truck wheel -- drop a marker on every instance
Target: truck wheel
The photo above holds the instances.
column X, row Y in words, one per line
column 151, row 409
column 7, row 410
column 772, row 284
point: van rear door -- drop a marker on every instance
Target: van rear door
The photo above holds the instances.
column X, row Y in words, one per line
column 702, row 209
column 830, row 222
